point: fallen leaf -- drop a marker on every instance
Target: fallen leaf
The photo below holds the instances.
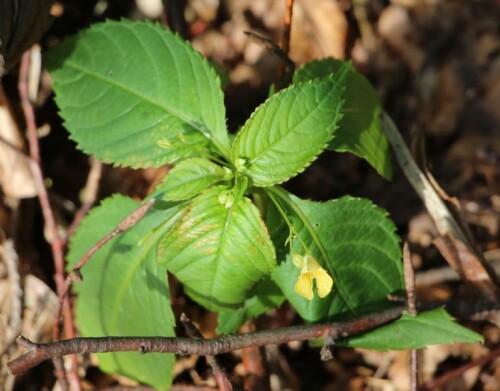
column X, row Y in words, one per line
column 16, row 179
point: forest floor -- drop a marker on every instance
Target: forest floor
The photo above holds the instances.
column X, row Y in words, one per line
column 436, row 67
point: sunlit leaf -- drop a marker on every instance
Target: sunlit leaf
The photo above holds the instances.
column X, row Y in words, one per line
column 359, row 130
column 219, row 249
column 414, row 332
column 354, row 241
column 286, row 133
column 125, row 87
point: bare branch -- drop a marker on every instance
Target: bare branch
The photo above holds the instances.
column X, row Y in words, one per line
column 203, row 347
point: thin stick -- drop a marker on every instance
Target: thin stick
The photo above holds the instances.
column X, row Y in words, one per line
column 409, row 277
column 442, row 217
column 184, row 346
column 220, row 376
column 452, row 238
column 48, row 215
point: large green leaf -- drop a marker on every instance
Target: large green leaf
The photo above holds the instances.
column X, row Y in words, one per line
column 286, row 133
column 125, row 87
column 414, row 332
column 124, row 291
column 354, row 241
column 218, row 250
column 266, row 297
column 190, row 177
column 359, row 129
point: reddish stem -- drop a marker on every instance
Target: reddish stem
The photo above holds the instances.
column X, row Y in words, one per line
column 48, row 215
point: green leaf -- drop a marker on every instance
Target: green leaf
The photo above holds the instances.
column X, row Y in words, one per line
column 354, row 241
column 286, row 133
column 124, row 291
column 266, row 297
column 414, row 332
column 123, row 87
column 359, row 129
column 219, row 249
column 190, row 177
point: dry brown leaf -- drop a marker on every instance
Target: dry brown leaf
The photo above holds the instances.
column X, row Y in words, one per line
column 396, row 29
column 443, row 100
column 16, row 179
column 319, row 29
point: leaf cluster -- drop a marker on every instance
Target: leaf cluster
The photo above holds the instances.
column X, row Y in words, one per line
column 134, row 94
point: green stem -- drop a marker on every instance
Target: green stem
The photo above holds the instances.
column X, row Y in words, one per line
column 293, row 231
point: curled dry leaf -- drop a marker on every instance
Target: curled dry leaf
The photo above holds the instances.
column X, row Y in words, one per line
column 16, row 179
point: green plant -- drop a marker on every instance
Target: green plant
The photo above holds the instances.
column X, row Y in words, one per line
column 134, row 94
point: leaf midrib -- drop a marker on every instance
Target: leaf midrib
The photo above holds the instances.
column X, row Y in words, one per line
column 147, row 99
column 292, row 132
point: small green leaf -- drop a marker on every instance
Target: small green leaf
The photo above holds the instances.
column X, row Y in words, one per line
column 354, row 241
column 414, row 332
column 190, row 177
column 218, row 249
column 359, row 129
column 124, row 291
column 286, row 133
column 123, row 87
column 266, row 297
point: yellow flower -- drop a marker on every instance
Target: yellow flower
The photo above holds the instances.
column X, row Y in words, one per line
column 310, row 269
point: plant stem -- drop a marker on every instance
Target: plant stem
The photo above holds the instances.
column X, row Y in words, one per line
column 293, row 231
column 56, row 243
